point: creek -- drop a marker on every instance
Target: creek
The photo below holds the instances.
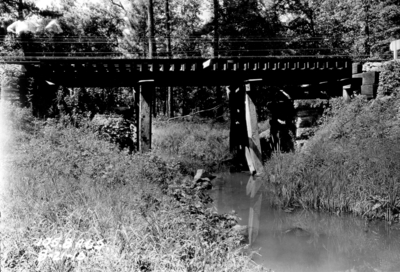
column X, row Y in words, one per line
column 298, row 241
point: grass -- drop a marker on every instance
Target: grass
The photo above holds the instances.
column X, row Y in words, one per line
column 351, row 164
column 195, row 144
column 66, row 183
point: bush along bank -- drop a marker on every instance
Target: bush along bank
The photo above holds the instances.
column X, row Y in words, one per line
column 352, row 163
column 195, row 144
column 76, row 203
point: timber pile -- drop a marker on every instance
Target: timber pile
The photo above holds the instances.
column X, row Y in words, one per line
column 365, row 79
column 307, row 113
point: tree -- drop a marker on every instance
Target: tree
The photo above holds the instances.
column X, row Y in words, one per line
column 387, row 27
column 22, row 9
column 152, row 43
column 248, row 29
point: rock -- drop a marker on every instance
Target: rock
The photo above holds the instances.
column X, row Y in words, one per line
column 199, row 174
column 203, row 178
column 372, row 66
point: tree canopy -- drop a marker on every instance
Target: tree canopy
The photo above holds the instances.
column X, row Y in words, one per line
column 361, row 29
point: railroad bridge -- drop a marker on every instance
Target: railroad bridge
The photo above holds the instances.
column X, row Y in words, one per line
column 309, row 77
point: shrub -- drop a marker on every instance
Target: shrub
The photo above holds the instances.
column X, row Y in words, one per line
column 389, row 82
column 196, row 144
column 116, row 129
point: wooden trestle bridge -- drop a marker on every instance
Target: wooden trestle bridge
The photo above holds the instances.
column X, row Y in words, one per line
column 239, row 74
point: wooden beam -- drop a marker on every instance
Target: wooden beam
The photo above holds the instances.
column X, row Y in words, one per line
column 238, row 135
column 144, row 112
column 253, row 151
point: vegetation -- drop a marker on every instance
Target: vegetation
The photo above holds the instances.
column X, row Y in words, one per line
column 351, row 164
column 139, row 211
column 180, row 29
column 69, row 181
column 196, row 144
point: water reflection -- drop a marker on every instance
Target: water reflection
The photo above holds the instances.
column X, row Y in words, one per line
column 306, row 241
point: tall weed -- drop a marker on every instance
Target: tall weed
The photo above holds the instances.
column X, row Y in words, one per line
column 65, row 182
column 352, row 163
column 195, row 144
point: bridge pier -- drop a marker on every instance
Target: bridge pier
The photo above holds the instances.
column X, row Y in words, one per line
column 237, row 134
column 244, row 137
column 45, row 93
column 144, row 98
column 253, row 151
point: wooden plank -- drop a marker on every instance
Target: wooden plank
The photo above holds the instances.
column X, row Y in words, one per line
column 253, row 154
column 144, row 116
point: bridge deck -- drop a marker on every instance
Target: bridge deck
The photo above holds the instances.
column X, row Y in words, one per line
column 95, row 72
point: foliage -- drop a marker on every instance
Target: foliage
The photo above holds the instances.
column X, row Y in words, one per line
column 73, row 185
column 389, row 84
column 351, row 164
column 23, row 8
column 196, row 144
column 246, row 29
column 116, row 129
column 94, row 100
column 360, row 28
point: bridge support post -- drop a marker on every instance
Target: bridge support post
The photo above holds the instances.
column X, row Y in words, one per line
column 144, row 115
column 237, row 135
column 45, row 93
column 253, row 150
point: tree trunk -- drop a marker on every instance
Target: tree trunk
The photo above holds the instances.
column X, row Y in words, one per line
column 20, row 10
column 170, row 102
column 150, row 15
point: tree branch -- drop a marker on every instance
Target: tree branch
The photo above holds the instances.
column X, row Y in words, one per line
column 118, row 5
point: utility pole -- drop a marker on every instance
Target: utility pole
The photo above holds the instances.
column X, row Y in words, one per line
column 170, row 111
column 218, row 90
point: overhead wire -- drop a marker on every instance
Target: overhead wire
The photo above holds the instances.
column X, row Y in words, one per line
column 37, row 58
column 54, row 40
